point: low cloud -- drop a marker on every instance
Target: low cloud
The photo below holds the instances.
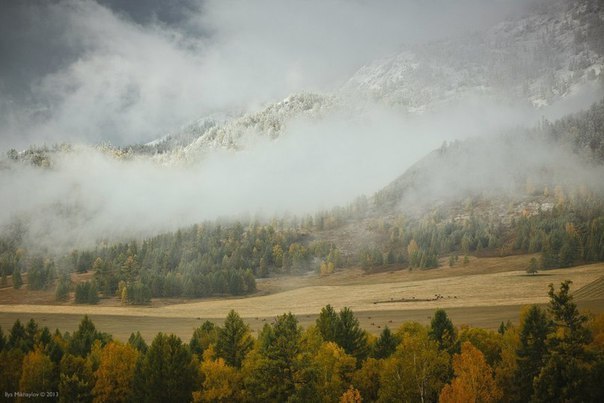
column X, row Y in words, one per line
column 80, row 71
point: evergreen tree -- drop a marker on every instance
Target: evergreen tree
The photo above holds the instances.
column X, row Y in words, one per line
column 565, row 375
column 82, row 339
column 17, row 338
column 534, row 329
column 532, row 267
column 166, row 373
column 203, row 337
column 62, row 290
column 11, row 361
column 385, row 344
column 327, row 323
column 234, row 340
column 137, row 341
column 276, row 373
column 442, row 330
column 350, row 336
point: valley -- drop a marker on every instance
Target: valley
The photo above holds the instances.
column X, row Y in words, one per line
column 483, row 293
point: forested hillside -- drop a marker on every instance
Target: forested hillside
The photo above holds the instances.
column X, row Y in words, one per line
column 546, row 205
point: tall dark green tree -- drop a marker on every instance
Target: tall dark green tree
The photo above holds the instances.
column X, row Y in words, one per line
column 531, row 353
column 277, row 374
column 136, row 340
column 385, row 344
column 566, row 373
column 166, row 373
column 17, row 338
column 327, row 323
column 234, row 340
column 350, row 336
column 82, row 339
column 442, row 330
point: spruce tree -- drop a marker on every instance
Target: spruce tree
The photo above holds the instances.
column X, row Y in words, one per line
column 327, row 323
column 534, row 330
column 166, row 373
column 234, row 340
column 442, row 330
column 350, row 336
column 385, row 344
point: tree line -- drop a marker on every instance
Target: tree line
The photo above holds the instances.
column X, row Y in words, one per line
column 554, row 354
column 226, row 258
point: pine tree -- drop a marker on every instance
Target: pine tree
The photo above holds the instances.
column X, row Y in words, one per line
column 565, row 375
column 166, row 373
column 385, row 344
column 442, row 330
column 277, row 368
column 534, row 329
column 234, row 340
column 82, row 339
column 62, row 290
column 137, row 341
column 327, row 323
column 350, row 336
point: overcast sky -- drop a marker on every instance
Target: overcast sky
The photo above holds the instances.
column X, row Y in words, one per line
column 129, row 71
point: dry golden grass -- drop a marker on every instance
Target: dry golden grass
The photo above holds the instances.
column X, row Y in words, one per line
column 482, row 293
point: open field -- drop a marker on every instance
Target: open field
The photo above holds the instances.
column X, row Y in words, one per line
column 482, row 293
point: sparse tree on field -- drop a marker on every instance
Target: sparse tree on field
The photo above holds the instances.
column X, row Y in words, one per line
column 532, row 267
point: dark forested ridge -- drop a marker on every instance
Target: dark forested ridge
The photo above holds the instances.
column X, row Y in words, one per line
column 553, row 354
column 531, row 209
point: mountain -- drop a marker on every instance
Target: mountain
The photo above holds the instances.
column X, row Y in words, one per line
column 549, row 57
column 568, row 153
column 538, row 59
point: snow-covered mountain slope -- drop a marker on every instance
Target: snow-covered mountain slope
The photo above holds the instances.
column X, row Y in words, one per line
column 535, row 60
column 538, row 58
column 192, row 141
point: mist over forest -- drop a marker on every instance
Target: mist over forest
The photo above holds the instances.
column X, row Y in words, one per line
column 164, row 164
column 146, row 120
